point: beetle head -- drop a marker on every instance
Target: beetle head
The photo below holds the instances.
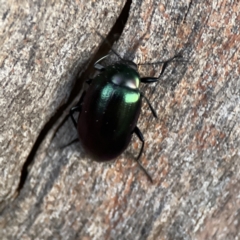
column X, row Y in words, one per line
column 126, row 76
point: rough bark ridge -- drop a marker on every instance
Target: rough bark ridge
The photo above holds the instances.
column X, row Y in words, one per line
column 192, row 149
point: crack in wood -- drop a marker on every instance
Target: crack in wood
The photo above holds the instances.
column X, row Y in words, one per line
column 104, row 48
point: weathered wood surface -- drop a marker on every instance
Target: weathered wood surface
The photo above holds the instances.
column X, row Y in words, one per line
column 192, row 149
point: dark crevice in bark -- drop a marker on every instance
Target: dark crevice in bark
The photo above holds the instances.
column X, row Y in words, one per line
column 104, row 48
column 188, row 9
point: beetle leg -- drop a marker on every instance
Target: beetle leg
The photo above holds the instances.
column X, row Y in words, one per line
column 77, row 108
column 97, row 64
column 177, row 57
column 149, row 80
column 72, row 111
column 141, row 138
column 150, row 106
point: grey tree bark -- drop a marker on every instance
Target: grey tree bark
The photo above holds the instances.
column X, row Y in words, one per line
column 48, row 191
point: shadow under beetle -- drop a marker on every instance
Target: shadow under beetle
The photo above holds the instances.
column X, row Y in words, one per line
column 109, row 111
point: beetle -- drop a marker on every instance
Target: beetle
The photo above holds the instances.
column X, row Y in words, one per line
column 109, row 111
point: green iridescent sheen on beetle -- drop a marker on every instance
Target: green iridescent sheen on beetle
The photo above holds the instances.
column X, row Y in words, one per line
column 109, row 111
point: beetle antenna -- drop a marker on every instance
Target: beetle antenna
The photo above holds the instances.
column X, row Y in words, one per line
column 117, row 54
column 109, row 46
column 176, row 58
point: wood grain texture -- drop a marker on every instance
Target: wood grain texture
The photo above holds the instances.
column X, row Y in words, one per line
column 43, row 46
column 192, row 149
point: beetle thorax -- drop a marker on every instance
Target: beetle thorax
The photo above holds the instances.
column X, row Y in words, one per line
column 125, row 76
